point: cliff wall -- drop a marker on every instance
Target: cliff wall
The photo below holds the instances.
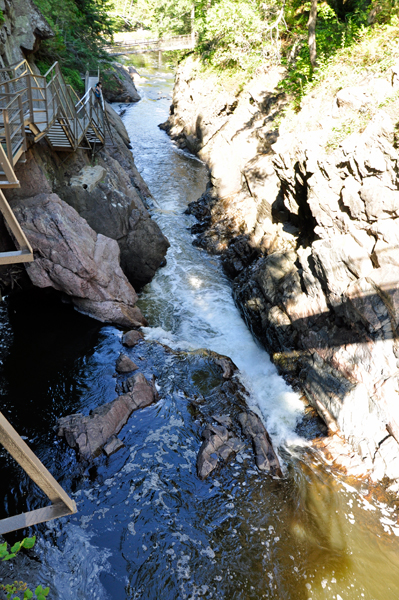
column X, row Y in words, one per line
column 305, row 218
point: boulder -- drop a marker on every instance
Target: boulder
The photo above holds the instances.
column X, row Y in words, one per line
column 124, row 364
column 131, row 338
column 72, row 258
column 266, row 459
column 88, row 178
column 119, row 86
column 88, row 434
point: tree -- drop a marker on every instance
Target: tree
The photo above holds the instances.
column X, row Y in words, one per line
column 312, row 33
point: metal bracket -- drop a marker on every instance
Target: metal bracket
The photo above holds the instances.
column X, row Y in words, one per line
column 62, row 505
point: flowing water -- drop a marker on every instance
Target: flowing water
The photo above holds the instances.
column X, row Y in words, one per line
column 147, row 527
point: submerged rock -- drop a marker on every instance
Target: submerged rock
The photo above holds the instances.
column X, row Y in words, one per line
column 88, row 434
column 124, row 364
column 266, row 459
column 219, row 444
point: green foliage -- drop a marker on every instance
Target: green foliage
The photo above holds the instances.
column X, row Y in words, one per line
column 11, row 589
column 231, row 34
column 336, row 33
column 2, row 19
column 163, row 16
column 81, row 28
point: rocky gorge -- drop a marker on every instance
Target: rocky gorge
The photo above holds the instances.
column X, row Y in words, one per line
column 304, row 217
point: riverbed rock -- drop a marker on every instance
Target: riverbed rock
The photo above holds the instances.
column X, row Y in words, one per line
column 74, row 259
column 88, row 434
column 113, row 445
column 124, row 364
column 131, row 338
column 266, row 458
column 219, row 444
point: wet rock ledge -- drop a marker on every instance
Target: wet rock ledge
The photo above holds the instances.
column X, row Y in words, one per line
column 223, row 420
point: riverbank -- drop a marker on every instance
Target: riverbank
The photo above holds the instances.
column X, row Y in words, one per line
column 303, row 217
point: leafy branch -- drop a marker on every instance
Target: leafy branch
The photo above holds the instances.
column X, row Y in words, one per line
column 10, row 589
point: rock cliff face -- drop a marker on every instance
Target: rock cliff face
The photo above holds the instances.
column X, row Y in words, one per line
column 22, row 30
column 308, row 229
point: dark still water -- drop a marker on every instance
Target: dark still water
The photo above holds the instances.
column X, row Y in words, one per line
column 147, row 527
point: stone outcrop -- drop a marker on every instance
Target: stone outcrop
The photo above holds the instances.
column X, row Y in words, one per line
column 306, row 228
column 266, row 458
column 89, row 434
column 120, row 85
column 22, row 30
column 110, row 195
column 74, row 259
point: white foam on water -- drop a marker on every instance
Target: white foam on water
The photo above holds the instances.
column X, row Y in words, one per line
column 73, row 568
column 206, row 317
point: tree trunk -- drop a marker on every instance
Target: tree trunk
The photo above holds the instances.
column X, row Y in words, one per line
column 192, row 25
column 312, row 34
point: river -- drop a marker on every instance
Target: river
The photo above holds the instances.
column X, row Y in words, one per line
column 147, row 527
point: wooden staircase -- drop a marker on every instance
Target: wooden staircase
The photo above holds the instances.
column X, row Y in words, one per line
column 33, row 107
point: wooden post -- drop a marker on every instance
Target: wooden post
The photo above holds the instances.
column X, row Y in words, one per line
column 25, row 254
column 62, row 504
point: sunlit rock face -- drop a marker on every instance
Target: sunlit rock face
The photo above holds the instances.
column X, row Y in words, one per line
column 308, row 231
column 23, row 28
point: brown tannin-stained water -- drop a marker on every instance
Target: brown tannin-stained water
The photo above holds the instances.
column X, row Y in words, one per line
column 147, row 527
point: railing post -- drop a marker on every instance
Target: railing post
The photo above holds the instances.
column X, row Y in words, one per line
column 8, row 137
column 30, row 99
column 21, row 113
column 87, row 79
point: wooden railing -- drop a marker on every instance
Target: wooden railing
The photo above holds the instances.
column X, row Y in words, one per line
column 45, row 106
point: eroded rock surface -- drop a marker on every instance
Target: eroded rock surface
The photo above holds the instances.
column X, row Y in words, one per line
column 88, row 434
column 111, row 196
column 121, row 86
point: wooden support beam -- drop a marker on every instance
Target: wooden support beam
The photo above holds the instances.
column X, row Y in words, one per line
column 20, row 451
column 25, row 254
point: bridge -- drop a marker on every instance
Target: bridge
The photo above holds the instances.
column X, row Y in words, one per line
column 33, row 107
column 134, row 46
